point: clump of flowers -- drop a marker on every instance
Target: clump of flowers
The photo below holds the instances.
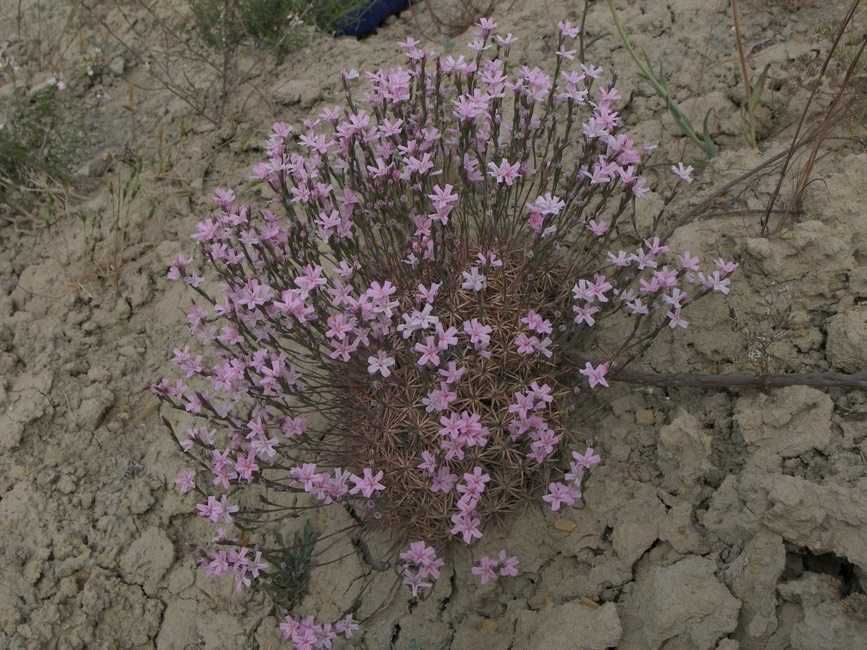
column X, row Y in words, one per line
column 409, row 326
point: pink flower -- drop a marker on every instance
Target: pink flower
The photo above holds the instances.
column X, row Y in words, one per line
column 526, row 344
column 429, row 351
column 415, row 582
column 535, row 221
column 560, row 494
column 368, row 484
column 223, row 197
column 486, row 25
column 585, row 314
column 381, row 363
column 588, row 459
column 547, row 204
column 715, row 282
column 294, row 427
column 536, row 323
column 596, row 376
column 542, row 394
column 486, row 569
column 428, row 295
column 567, row 30
column 346, row 626
column 479, row 334
column 473, row 280
column 675, row 319
column 452, row 373
column 444, row 481
column 467, row 527
column 443, row 197
column 186, row 480
column 598, row 228
column 428, row 463
column 505, row 172
column 508, row 564
column 683, row 173
column 474, row 483
column 725, row 268
column 419, row 554
column 563, row 53
column 523, row 404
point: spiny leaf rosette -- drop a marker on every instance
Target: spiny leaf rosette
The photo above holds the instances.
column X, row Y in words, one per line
column 406, row 328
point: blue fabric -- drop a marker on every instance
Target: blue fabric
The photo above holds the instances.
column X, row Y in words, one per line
column 366, row 20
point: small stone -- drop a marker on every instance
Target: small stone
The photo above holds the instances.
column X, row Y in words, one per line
column 66, row 484
column 645, row 418
column 564, row 525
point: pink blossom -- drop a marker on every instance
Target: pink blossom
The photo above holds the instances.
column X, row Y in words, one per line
column 452, row 373
column 588, row 459
column 381, row 363
column 683, row 173
column 675, row 319
column 585, row 314
column 508, row 564
column 567, row 30
column 560, row 494
column 473, row 280
column 598, row 228
column 474, row 483
column 505, row 172
column 428, row 294
column 479, row 333
column 346, row 626
column 485, row 570
column 186, row 480
column 526, row 344
column 596, row 376
column 368, row 484
column 467, row 527
column 429, row 351
column 444, row 481
column 547, row 204
column 725, row 268
column 428, row 463
column 415, row 582
column 715, row 282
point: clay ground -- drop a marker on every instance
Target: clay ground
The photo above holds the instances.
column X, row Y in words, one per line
column 719, row 519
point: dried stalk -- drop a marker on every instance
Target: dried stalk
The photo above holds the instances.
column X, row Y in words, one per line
column 795, row 139
column 828, row 379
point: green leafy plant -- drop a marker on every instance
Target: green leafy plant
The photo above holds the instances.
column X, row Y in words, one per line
column 108, row 232
column 753, row 90
column 278, row 25
column 42, row 136
column 659, row 82
column 291, row 564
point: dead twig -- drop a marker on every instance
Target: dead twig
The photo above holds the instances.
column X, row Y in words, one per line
column 822, row 130
column 828, row 379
